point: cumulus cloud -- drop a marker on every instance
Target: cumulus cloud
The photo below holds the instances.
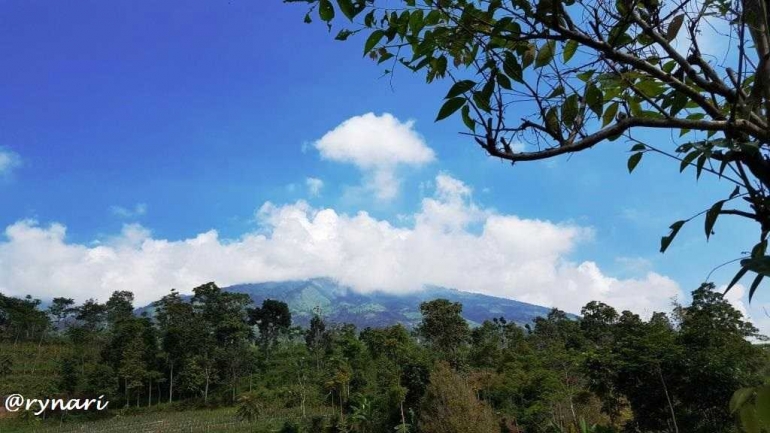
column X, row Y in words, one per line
column 138, row 210
column 378, row 146
column 9, row 161
column 314, row 186
column 451, row 241
column 755, row 312
column 736, row 297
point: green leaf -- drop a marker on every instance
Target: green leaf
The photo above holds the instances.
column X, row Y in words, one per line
column 416, row 21
column 569, row 50
column 325, row 10
column 585, row 76
column 609, row 115
column 760, row 265
column 633, row 161
column 308, row 20
column 759, row 249
column 673, row 27
column 529, row 56
column 450, row 107
column 552, row 121
column 545, row 55
column 504, row 82
column 711, row 217
column 741, row 272
column 373, row 40
column 701, row 162
column 512, row 68
column 369, row 19
column 467, row 120
column 384, row 55
column 650, row 88
column 595, row 99
column 635, row 107
column 459, row 88
column 688, row 159
column 558, row 91
column 754, row 285
column 739, row 398
column 678, row 104
column 762, row 405
column 344, row 34
column 347, row 8
column 433, row 17
column 569, row 110
column 749, row 419
column 665, row 241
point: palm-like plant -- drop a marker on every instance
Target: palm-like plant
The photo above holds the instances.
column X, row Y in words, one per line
column 362, row 415
column 249, row 407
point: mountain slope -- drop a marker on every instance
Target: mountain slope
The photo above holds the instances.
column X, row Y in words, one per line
column 339, row 304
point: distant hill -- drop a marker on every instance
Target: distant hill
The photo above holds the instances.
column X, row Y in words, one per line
column 340, row 304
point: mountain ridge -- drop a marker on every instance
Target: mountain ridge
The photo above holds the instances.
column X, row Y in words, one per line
column 337, row 303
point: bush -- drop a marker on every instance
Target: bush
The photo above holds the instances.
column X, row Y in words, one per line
column 450, row 406
column 290, row 427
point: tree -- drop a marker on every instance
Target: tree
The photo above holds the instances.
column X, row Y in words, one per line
column 20, row 319
column 444, row 328
column 563, row 77
column 222, row 331
column 61, row 309
column 177, row 325
column 120, row 306
column 91, row 315
column 315, row 338
column 714, row 335
column 272, row 319
column 132, row 368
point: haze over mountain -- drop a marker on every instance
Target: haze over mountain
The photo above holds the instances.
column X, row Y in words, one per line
column 341, row 304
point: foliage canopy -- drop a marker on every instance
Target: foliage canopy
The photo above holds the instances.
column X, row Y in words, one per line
column 564, row 76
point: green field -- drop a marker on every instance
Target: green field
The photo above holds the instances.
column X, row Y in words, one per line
column 30, row 367
column 214, row 420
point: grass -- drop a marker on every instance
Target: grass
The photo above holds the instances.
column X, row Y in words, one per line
column 201, row 420
column 33, row 368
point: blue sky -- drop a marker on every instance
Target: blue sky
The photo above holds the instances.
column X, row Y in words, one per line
column 140, row 127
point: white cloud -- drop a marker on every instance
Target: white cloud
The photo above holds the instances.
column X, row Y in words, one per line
column 138, row 210
column 755, row 311
column 377, row 145
column 450, row 241
column 9, row 161
column 314, row 186
column 634, row 265
column 518, row 146
column 735, row 297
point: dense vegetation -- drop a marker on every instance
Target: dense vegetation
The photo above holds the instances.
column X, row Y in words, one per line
column 604, row 372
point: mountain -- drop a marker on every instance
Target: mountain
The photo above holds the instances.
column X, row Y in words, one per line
column 340, row 304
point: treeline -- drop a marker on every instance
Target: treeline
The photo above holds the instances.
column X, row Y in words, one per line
column 604, row 372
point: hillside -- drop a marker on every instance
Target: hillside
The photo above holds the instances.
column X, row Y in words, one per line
column 340, row 304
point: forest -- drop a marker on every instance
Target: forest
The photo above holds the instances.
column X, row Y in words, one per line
column 604, row 371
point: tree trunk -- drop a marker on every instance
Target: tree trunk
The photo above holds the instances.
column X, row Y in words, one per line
column 403, row 418
column 668, row 399
column 206, row 390
column 171, row 385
